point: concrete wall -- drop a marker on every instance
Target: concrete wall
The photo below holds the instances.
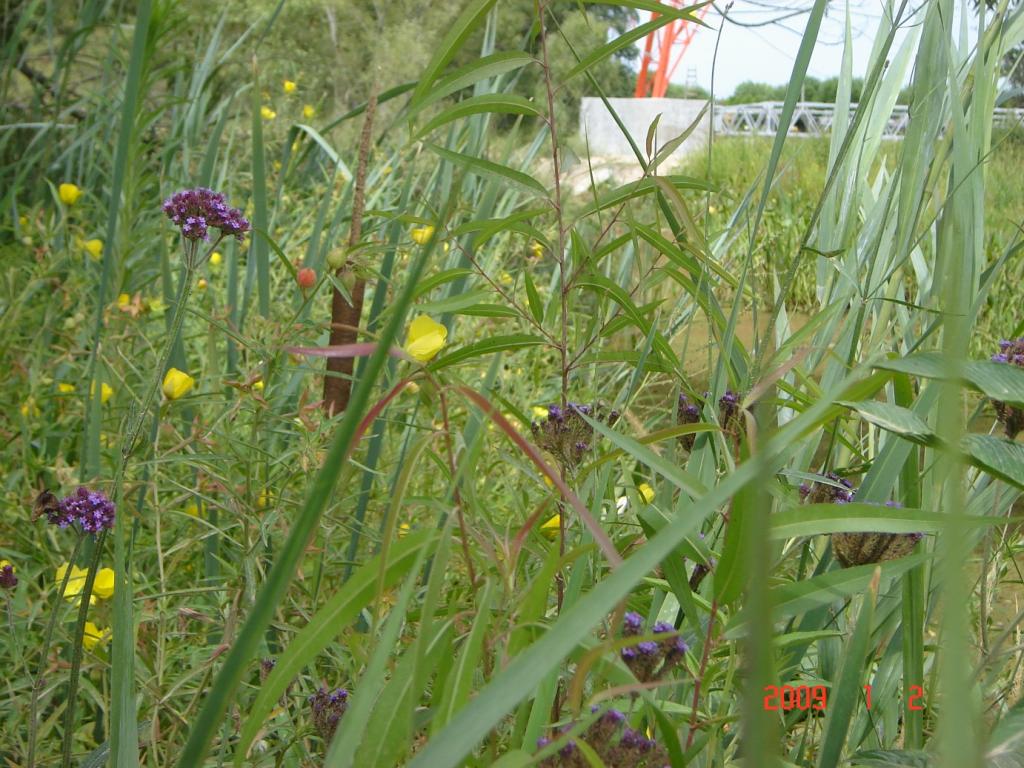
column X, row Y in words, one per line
column 606, row 139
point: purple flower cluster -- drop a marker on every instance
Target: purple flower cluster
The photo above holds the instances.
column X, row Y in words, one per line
column 327, row 707
column 630, row 750
column 7, row 578
column 688, row 412
column 838, row 491
column 1010, row 416
column 92, row 510
column 565, row 434
column 194, row 211
column 649, row 659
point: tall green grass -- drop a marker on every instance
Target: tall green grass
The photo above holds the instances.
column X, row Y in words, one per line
column 396, row 549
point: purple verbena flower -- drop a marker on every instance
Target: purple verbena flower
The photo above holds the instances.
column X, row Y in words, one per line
column 663, row 626
column 632, row 623
column 647, row 647
column 327, row 709
column 194, row 211
column 92, row 510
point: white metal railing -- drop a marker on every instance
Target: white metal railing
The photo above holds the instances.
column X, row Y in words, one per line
column 815, row 119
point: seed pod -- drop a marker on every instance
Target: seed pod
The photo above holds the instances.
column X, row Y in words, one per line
column 872, row 547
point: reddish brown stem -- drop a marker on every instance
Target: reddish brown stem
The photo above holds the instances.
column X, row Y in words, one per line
column 700, row 675
column 346, row 317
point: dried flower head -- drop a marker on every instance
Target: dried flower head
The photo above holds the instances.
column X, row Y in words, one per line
column 836, row 490
column 566, row 435
column 873, row 546
column 611, row 739
column 8, row 580
column 327, row 707
column 650, row 659
column 690, row 412
column 1010, row 416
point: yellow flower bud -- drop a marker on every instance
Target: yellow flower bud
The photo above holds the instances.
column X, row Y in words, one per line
column 288, row 86
column 177, row 384
column 65, row 388
column 93, row 635
column 201, row 284
column 94, row 248
column 308, row 112
column 552, row 526
column 68, row 193
column 425, row 338
column 258, row 385
column 536, row 249
column 105, row 392
column 422, row 235
column 215, row 259
column 103, row 586
column 646, row 492
column 267, row 113
column 412, row 387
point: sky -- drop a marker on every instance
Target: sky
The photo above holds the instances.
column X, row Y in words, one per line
column 766, row 53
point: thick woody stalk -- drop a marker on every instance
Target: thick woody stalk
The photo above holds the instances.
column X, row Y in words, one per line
column 346, row 317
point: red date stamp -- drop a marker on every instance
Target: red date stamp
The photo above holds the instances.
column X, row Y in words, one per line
column 786, row 698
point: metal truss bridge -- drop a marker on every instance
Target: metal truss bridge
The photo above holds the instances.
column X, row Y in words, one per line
column 815, row 119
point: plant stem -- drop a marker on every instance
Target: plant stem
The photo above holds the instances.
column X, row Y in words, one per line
column 345, row 317
column 122, row 576
column 39, row 680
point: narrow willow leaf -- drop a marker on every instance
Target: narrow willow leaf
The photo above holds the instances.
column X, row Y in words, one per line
column 488, row 66
column 482, row 167
column 489, row 346
column 1002, row 458
column 470, row 18
column 498, row 103
column 893, row 418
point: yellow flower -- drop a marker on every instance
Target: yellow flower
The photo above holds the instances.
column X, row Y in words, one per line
column 267, row 113
column 215, row 259
column 76, row 583
column 308, row 112
column 258, row 385
column 93, row 635
column 646, row 492
column 156, row 306
column 536, row 249
column 65, row 388
column 288, row 86
column 425, row 338
column 4, row 564
column 403, row 530
column 540, row 412
column 422, row 235
column 103, row 587
column 505, row 279
column 29, row 407
column 68, row 193
column 105, row 392
column 177, row 383
column 123, row 300
column 548, row 481
column 192, row 509
column 712, row 209
column 266, row 497
column 94, row 247
column 552, row 526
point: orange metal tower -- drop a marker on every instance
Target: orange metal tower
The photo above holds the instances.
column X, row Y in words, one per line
column 664, row 48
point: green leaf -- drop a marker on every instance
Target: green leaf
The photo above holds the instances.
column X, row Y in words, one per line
column 622, row 41
column 533, row 297
column 1002, row 458
column 1000, row 381
column 430, row 283
column 847, row 691
column 460, row 30
column 893, row 418
column 486, row 168
column 479, row 69
column 502, row 103
column 814, row 519
column 489, row 346
column 487, row 310
column 892, row 758
column 636, row 189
